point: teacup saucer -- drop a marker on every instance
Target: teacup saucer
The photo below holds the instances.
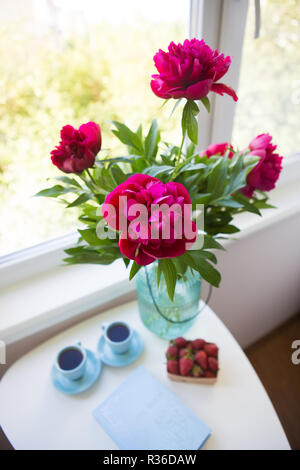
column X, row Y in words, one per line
column 72, row 387
column 120, row 360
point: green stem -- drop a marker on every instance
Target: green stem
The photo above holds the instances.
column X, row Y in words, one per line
column 177, row 161
column 90, row 175
column 90, row 186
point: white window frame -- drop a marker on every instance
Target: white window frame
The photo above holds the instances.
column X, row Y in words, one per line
column 222, row 24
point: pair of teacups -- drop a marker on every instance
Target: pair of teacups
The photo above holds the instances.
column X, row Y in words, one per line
column 71, row 360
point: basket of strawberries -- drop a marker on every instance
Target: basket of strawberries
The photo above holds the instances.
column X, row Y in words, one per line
column 194, row 361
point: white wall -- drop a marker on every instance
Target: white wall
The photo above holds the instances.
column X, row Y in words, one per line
column 260, row 279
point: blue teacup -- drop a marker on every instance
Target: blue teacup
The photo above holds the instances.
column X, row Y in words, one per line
column 118, row 336
column 71, row 361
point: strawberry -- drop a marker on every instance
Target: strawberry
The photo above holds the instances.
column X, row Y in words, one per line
column 183, row 352
column 201, row 359
column 172, row 352
column 211, row 349
column 209, row 375
column 196, row 371
column 180, row 342
column 186, row 352
column 185, row 365
column 172, row 366
column 213, row 364
column 198, row 344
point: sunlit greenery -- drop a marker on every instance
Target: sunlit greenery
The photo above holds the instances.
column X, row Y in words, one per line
column 269, row 90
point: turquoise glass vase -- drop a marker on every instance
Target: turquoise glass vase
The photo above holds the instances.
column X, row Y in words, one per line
column 159, row 314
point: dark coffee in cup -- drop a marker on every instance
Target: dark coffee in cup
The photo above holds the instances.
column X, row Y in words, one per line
column 118, row 332
column 70, row 358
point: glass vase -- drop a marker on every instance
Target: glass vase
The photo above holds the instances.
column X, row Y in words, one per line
column 159, row 314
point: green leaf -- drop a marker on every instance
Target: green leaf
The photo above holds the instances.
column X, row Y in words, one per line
column 164, row 103
column 112, row 161
column 80, row 200
column 137, row 162
column 118, row 175
column 190, row 150
column 159, row 271
column 127, row 137
column 170, row 276
column 134, row 269
column 104, row 178
column 239, row 173
column 206, row 103
column 262, row 204
column 151, row 141
column 90, row 236
column 208, row 272
column 55, row 191
column 139, row 131
column 229, row 202
column 228, row 229
column 189, row 122
column 180, row 265
column 205, row 254
column 156, row 170
column 217, row 179
column 70, row 181
column 245, row 202
column 203, row 198
column 210, row 242
column 91, row 211
column 89, row 258
column 192, row 167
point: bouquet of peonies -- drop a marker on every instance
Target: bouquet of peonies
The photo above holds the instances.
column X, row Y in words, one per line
column 162, row 201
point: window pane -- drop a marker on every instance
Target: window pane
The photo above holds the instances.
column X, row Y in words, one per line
column 269, row 91
column 69, row 62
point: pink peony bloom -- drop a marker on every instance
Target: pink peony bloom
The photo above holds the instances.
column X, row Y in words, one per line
column 78, row 148
column 190, row 70
column 265, row 174
column 144, row 240
column 218, row 149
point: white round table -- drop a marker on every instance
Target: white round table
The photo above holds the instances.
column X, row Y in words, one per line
column 34, row 415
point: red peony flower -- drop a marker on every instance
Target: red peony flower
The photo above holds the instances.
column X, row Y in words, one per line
column 145, row 240
column 218, row 149
column 265, row 174
column 78, row 148
column 190, row 70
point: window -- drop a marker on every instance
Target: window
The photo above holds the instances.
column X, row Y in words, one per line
column 62, row 62
column 269, row 88
column 68, row 61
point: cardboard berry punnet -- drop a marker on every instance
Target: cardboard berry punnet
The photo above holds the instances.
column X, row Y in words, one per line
column 194, row 361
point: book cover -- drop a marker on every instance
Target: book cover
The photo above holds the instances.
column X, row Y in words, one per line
column 144, row 414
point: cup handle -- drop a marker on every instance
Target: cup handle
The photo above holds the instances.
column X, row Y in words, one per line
column 104, row 326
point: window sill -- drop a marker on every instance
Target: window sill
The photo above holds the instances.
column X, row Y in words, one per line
column 55, row 296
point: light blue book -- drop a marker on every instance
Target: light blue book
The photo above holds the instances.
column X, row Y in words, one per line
column 144, row 414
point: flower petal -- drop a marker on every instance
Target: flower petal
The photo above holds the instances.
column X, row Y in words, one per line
column 221, row 88
column 199, row 90
column 92, row 133
column 134, row 250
